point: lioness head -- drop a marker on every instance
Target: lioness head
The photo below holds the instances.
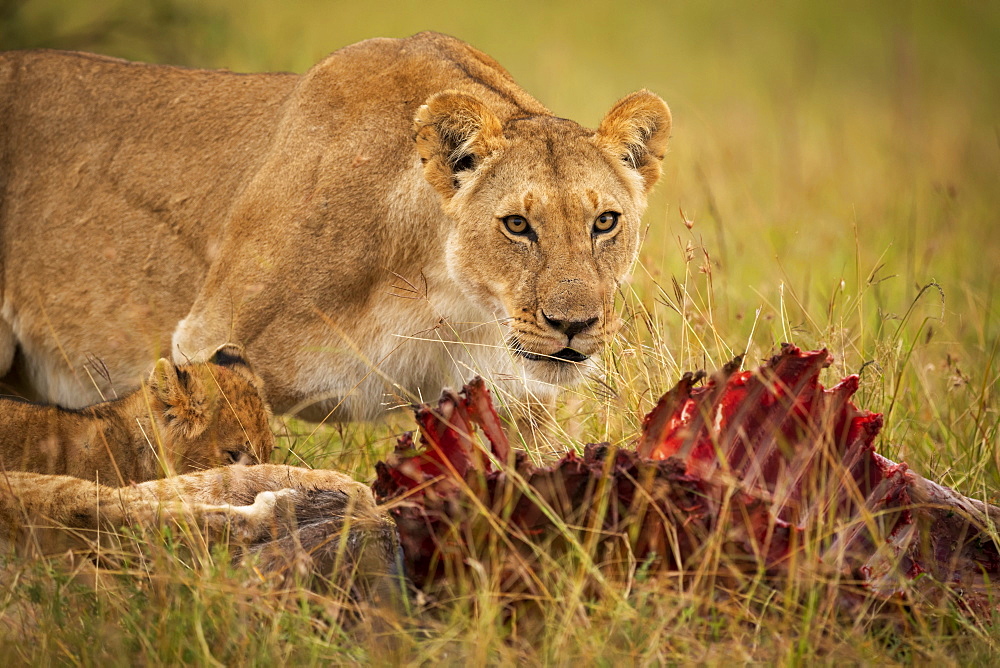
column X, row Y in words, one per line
column 546, row 217
column 210, row 414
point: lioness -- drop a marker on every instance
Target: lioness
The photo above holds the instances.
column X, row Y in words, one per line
column 184, row 418
column 397, row 218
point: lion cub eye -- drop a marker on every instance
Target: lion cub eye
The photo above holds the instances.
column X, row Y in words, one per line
column 517, row 225
column 239, row 456
column 606, row 222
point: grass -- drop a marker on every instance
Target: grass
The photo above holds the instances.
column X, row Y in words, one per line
column 828, row 186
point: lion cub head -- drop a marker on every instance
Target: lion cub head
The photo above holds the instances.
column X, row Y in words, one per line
column 546, row 218
column 210, row 414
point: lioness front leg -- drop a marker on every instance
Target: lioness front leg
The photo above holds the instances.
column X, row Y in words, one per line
column 194, row 338
column 49, row 514
column 272, row 513
column 258, row 314
column 8, row 344
column 46, row 515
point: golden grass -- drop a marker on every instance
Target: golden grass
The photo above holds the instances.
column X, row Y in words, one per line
column 827, row 186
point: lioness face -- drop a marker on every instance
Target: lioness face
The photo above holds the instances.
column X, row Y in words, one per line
column 543, row 237
column 546, row 218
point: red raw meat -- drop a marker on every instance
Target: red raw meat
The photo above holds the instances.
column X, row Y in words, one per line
column 759, row 459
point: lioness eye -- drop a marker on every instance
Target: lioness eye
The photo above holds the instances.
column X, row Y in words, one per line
column 517, row 225
column 606, row 222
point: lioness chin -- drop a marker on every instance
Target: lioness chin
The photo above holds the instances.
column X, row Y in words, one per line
column 183, row 418
column 396, row 219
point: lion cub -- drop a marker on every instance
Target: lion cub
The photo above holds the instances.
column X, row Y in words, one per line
column 183, row 418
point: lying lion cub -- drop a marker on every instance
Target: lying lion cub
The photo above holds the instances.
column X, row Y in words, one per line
column 183, row 418
column 290, row 520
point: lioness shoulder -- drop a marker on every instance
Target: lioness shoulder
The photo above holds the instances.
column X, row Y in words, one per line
column 183, row 418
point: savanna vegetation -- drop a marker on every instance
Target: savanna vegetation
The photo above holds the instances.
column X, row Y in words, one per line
column 833, row 181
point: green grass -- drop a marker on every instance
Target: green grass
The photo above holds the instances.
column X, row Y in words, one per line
column 838, row 165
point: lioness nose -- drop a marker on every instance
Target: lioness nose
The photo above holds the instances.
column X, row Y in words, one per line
column 569, row 327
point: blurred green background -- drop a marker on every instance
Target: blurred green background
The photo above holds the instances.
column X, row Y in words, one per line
column 799, row 127
column 833, row 158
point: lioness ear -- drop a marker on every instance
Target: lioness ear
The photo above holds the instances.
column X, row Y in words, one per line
column 636, row 131
column 183, row 398
column 233, row 357
column 454, row 133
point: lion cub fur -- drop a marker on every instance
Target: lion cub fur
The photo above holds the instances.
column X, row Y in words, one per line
column 183, row 418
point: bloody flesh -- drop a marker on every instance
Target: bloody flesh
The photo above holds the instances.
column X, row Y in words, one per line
column 763, row 461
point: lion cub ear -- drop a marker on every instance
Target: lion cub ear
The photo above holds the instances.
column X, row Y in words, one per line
column 454, row 133
column 233, row 357
column 636, row 131
column 229, row 354
column 183, row 398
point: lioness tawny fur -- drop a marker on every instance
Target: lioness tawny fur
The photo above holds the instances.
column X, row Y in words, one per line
column 397, row 219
